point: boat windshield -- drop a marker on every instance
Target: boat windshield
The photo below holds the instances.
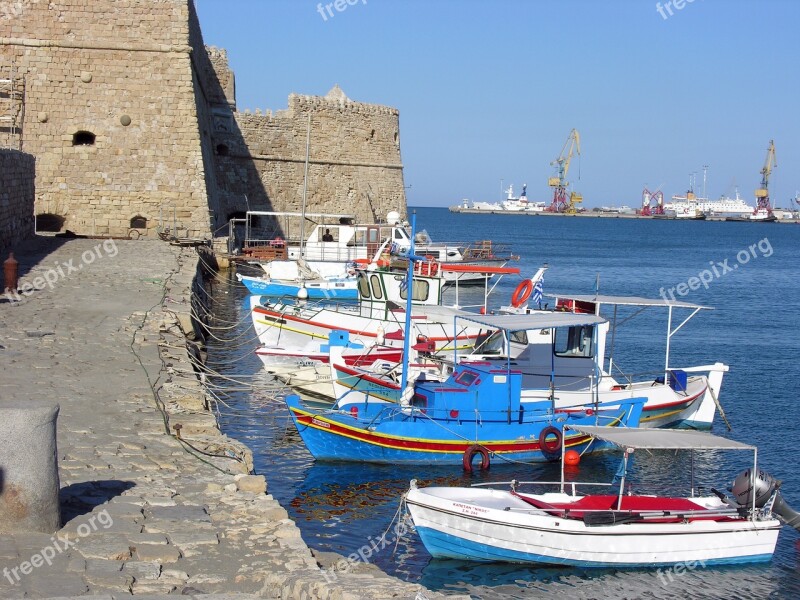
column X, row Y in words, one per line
column 574, row 341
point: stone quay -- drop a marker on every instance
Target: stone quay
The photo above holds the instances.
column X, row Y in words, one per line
column 101, row 328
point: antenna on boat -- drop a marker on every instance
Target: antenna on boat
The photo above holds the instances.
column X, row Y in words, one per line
column 409, row 296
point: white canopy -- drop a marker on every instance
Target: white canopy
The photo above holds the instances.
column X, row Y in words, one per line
column 628, row 300
column 543, row 320
column 660, row 439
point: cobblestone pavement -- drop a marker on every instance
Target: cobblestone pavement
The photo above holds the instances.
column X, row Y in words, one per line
column 143, row 513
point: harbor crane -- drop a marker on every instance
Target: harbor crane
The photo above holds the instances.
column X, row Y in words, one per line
column 762, row 193
column 647, row 203
column 560, row 183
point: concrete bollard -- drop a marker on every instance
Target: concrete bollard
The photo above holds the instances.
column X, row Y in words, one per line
column 28, row 467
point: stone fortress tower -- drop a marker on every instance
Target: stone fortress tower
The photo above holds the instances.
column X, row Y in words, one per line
column 133, row 124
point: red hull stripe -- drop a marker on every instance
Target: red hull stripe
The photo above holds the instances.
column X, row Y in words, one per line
column 285, row 317
column 418, row 444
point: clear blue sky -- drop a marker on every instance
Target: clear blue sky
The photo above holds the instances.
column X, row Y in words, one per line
column 489, row 90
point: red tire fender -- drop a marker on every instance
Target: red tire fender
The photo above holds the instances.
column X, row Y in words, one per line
column 470, row 453
column 551, row 448
column 522, row 293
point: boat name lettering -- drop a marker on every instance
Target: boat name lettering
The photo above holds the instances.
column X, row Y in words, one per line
column 469, row 509
column 319, row 423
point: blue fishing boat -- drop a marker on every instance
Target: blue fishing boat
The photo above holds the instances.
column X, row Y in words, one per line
column 475, row 411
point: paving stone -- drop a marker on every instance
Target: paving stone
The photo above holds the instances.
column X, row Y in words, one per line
column 102, row 546
column 158, row 553
column 48, row 585
column 8, row 547
column 255, row 484
column 178, row 513
column 140, row 570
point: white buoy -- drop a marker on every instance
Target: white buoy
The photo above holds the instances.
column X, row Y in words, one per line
column 302, row 294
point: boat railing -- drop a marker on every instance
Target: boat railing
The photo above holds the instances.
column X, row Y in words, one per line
column 484, row 250
column 289, row 302
column 573, row 485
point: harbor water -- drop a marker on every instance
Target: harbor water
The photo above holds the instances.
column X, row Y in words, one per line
column 746, row 271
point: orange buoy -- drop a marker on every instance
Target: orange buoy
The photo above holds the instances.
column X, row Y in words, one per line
column 571, row 458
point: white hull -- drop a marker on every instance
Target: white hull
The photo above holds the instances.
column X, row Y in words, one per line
column 493, row 525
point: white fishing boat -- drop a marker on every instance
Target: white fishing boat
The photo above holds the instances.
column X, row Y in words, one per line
column 335, row 244
column 613, row 529
column 569, row 367
column 296, row 328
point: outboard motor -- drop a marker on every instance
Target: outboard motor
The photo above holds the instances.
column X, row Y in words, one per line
column 766, row 486
column 742, row 491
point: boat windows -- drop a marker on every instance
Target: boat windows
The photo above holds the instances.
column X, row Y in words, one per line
column 420, row 293
column 375, row 282
column 466, row 378
column 574, row 342
column 363, row 287
column 494, row 344
column 520, row 337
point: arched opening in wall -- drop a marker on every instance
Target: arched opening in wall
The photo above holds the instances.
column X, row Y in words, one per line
column 222, row 149
column 139, row 222
column 49, row 222
column 396, row 137
column 83, row 138
column 372, row 135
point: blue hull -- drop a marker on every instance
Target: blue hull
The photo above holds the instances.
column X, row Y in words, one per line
column 442, row 545
column 380, row 433
column 336, row 291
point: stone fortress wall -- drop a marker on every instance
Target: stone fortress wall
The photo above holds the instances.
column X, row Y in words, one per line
column 109, row 112
column 133, row 123
column 17, row 171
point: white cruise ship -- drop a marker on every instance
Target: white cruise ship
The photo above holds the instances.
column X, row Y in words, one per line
column 726, row 207
column 693, row 207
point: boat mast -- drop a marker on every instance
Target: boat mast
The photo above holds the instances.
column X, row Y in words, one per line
column 305, row 187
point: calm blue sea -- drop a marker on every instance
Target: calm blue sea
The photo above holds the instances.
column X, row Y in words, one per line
column 751, row 271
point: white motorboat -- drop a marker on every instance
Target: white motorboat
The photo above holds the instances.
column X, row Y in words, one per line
column 336, row 243
column 614, row 529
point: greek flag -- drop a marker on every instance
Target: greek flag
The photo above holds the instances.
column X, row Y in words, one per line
column 536, row 297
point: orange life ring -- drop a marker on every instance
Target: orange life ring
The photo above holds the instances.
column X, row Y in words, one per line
column 551, row 448
column 427, row 268
column 470, row 452
column 522, row 293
